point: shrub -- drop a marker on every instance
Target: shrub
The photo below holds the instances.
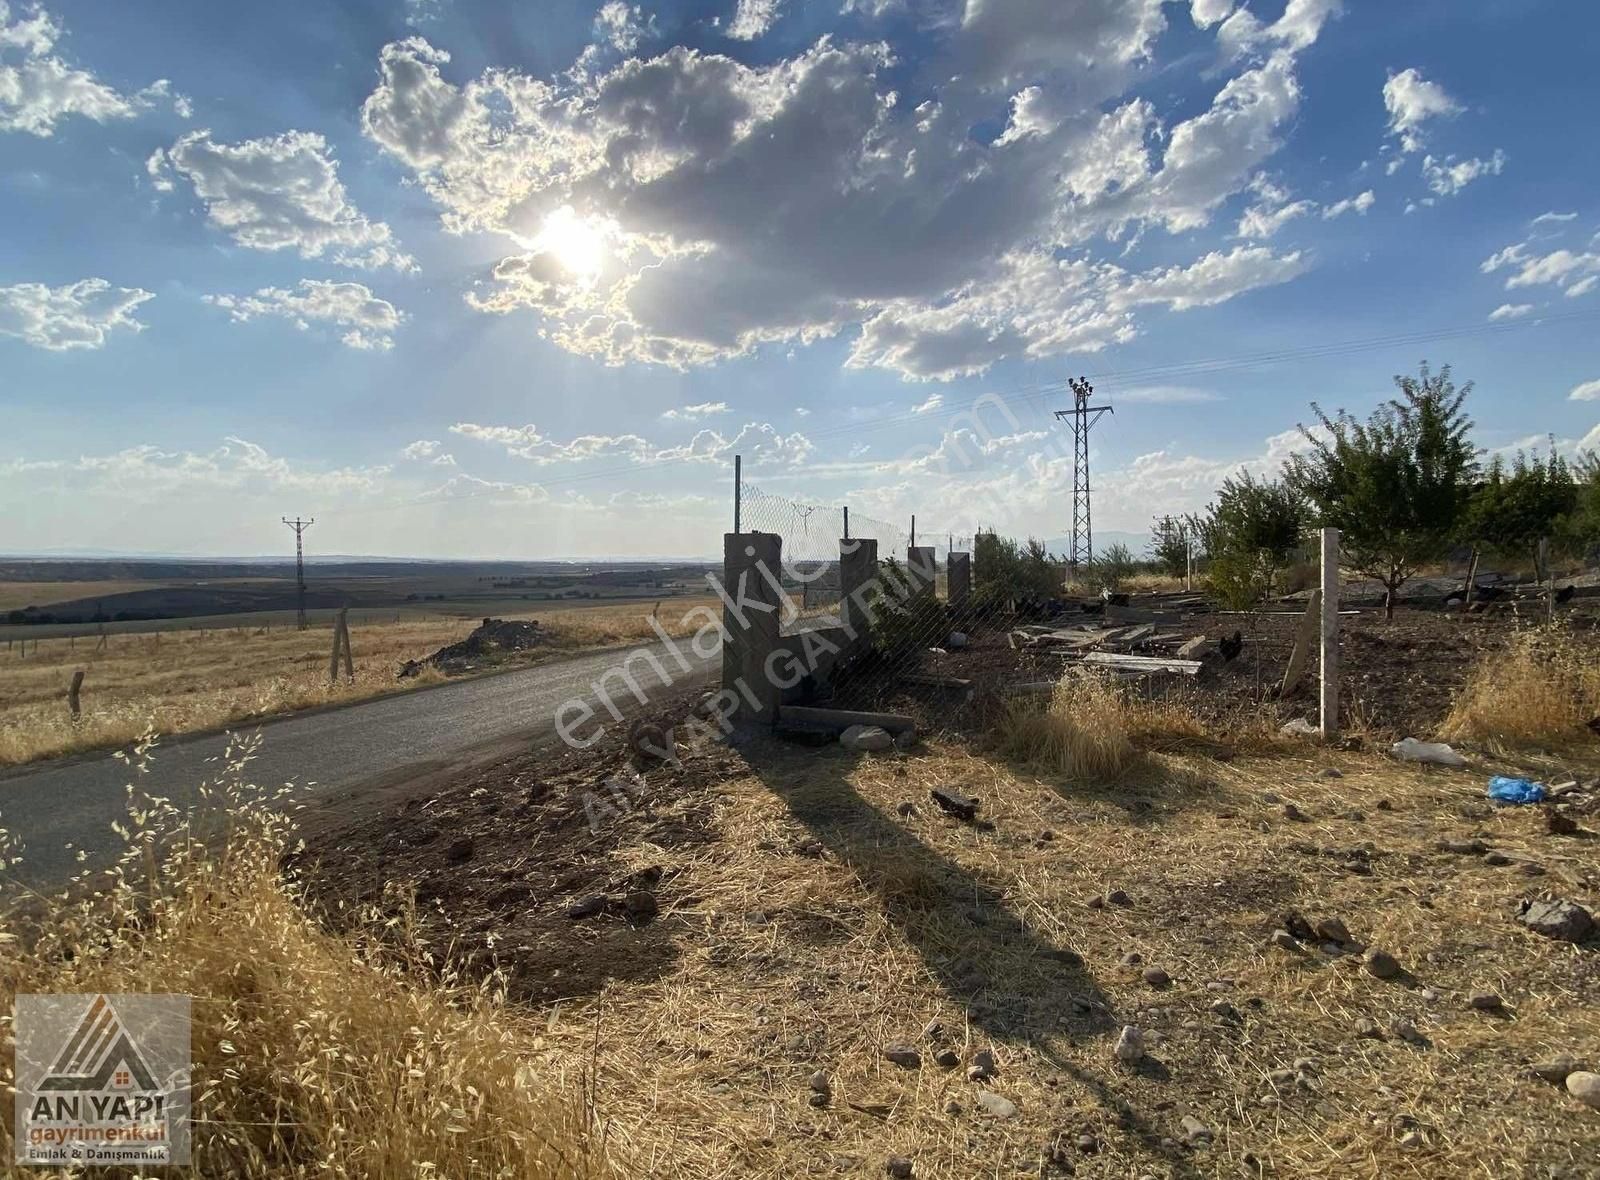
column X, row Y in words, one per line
column 1539, row 690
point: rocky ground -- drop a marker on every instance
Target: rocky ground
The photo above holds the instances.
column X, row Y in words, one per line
column 776, row 959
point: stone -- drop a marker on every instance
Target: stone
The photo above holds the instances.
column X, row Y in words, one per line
column 996, row 1106
column 460, row 850
column 1129, row 1048
column 956, row 641
column 641, row 905
column 933, row 1030
column 1271, row 797
column 588, row 907
column 898, row 1166
column 903, row 1055
column 819, row 1099
column 905, row 809
column 906, row 740
column 1411, row 1139
column 1498, row 859
column 1131, row 959
column 1088, row 1144
column 1368, row 1028
column 1559, row 823
column 820, row 1083
column 1485, row 1002
column 1291, row 812
column 865, row 739
column 1156, row 977
column 1118, row 897
column 947, row 1058
column 1406, row 1031
column 1284, row 940
column 1296, row 925
column 1281, row 1077
column 1330, row 772
column 1557, row 1069
column 1384, row 805
column 1429, row 995
column 951, row 1106
column 984, row 1060
column 1464, row 847
column 1195, row 1133
column 1380, row 963
column 1557, row 919
column 1333, row 929
column 1097, row 902
column 1585, row 1087
column 1224, row 1009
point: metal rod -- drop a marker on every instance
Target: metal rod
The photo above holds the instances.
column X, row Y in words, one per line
column 738, row 472
column 847, row 522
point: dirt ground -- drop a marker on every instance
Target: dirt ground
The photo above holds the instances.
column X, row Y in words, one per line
column 724, row 949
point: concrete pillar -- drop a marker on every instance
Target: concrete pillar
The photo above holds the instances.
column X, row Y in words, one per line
column 1329, row 697
column 924, row 569
column 858, row 571
column 960, row 575
column 752, row 571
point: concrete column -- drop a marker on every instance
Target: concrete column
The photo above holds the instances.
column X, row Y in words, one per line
column 1329, row 698
column 923, row 568
column 752, row 571
column 960, row 573
column 858, row 571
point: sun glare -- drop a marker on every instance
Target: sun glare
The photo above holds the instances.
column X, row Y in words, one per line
column 576, row 242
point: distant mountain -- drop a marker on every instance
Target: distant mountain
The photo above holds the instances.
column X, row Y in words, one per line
column 1138, row 543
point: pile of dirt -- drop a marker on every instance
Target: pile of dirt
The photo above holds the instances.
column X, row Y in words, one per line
column 493, row 638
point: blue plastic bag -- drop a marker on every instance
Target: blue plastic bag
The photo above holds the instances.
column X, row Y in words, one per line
column 1515, row 790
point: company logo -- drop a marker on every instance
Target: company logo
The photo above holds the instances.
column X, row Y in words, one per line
column 102, row 1079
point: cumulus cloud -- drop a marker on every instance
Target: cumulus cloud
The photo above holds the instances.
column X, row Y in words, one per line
column 698, row 410
column 1511, row 311
column 368, row 321
column 752, row 18
column 1449, row 176
column 278, row 193
column 1296, row 29
column 1359, row 203
column 1587, row 391
column 1411, row 101
column 147, row 471
column 38, row 88
column 688, row 208
column 1572, row 271
column 423, row 448
column 622, row 26
column 76, row 315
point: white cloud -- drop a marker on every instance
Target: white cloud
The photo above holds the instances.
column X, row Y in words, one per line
column 752, row 19
column 38, row 89
column 1206, row 13
column 1360, row 203
column 932, row 403
column 1587, row 391
column 704, row 209
column 699, row 410
column 146, row 471
column 1297, row 29
column 756, row 441
column 278, row 193
column 1262, row 221
column 76, row 315
column 423, row 448
column 1553, row 218
column 1572, row 271
column 1448, row 177
column 622, row 25
column 1411, row 101
column 369, row 321
column 1511, row 311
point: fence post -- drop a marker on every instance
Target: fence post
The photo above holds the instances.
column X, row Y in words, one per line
column 72, row 694
column 751, row 622
column 959, row 586
column 1329, row 697
column 1549, row 580
column 858, row 569
column 738, row 483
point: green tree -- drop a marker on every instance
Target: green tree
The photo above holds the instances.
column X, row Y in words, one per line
column 1513, row 510
column 1397, row 486
column 1169, row 545
column 1581, row 530
column 1250, row 533
column 1113, row 567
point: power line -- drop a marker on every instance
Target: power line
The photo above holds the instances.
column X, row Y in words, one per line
column 1083, row 416
column 300, row 526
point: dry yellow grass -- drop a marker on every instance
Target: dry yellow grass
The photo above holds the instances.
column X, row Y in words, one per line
column 1540, row 690
column 312, row 1056
column 185, row 681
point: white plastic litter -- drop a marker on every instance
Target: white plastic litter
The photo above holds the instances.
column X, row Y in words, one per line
column 1299, row 727
column 1411, row 750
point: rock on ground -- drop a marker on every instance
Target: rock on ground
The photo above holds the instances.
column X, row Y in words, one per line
column 1585, row 1087
column 996, row 1106
column 864, row 739
column 1563, row 920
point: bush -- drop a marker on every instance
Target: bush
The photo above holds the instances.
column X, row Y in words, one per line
column 903, row 621
column 1537, row 691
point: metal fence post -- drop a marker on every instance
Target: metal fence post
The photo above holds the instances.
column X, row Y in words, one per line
column 738, row 464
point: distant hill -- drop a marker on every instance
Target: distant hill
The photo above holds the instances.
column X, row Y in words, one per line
column 1137, row 543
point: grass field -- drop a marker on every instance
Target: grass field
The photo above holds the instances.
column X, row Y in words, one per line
column 183, row 681
column 19, row 595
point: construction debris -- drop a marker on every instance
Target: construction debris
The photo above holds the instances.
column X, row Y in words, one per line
column 492, row 638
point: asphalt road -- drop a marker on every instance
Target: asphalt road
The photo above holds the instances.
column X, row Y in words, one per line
column 336, row 755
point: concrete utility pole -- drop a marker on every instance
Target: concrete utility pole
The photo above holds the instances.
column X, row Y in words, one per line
column 300, row 526
column 1083, row 417
column 1328, row 704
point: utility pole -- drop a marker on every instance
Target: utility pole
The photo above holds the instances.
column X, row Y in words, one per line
column 1083, row 417
column 300, row 526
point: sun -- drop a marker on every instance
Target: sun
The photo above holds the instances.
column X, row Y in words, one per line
column 578, row 243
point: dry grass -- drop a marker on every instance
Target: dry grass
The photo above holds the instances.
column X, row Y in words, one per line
column 18, row 595
column 1539, row 691
column 312, row 1056
column 787, row 962
column 182, row 682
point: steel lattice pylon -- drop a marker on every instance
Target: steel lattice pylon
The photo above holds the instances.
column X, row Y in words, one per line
column 1083, row 416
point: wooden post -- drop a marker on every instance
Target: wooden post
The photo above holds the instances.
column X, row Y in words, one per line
column 1472, row 576
column 341, row 639
column 1329, row 702
column 1306, row 637
column 72, row 694
column 1549, row 580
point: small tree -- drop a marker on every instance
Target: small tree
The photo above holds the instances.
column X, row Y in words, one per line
column 1397, row 487
column 1512, row 511
column 1169, row 545
column 1581, row 530
column 1111, row 568
column 1251, row 533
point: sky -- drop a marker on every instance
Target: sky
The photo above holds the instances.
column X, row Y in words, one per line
column 471, row 279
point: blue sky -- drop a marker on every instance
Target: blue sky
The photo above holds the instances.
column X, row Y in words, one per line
column 472, row 279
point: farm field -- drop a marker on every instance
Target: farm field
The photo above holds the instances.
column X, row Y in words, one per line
column 206, row 678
